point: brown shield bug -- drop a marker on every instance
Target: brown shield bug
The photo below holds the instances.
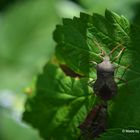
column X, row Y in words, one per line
column 105, row 86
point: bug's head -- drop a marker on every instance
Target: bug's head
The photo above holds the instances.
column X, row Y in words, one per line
column 106, row 58
column 105, row 68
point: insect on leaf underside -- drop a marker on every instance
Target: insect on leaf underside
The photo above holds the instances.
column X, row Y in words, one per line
column 105, row 86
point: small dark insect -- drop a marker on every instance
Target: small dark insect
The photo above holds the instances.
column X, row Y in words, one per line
column 105, row 86
column 70, row 72
column 95, row 122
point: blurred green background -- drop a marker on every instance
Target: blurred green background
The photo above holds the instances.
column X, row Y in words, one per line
column 26, row 44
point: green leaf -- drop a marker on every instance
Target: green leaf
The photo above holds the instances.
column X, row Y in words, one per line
column 72, row 46
column 77, row 39
column 107, row 31
column 61, row 103
column 59, row 106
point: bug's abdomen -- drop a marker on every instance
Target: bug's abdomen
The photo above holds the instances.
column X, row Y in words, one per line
column 105, row 89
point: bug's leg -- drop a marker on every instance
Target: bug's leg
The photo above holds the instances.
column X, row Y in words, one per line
column 93, row 62
column 121, row 78
column 90, row 83
column 126, row 68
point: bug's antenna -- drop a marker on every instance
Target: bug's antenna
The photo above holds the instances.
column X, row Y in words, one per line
column 103, row 53
column 121, row 51
column 112, row 51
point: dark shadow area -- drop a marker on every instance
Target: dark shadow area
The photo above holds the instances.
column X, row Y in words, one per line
column 136, row 9
column 6, row 3
column 75, row 1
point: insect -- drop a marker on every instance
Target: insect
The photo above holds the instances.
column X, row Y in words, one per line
column 95, row 122
column 105, row 86
column 70, row 72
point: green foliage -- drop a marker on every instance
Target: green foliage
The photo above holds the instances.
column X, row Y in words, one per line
column 77, row 38
column 61, row 103
column 59, row 106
